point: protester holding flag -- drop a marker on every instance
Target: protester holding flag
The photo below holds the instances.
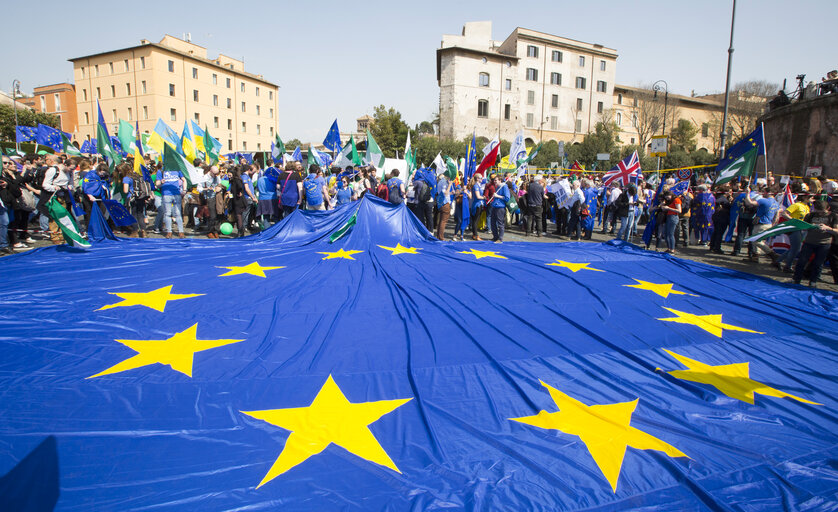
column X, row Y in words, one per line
column 817, row 243
column 767, row 212
column 475, row 185
column 498, row 205
column 443, row 204
column 671, row 207
column 797, row 210
column 705, row 205
column 57, row 182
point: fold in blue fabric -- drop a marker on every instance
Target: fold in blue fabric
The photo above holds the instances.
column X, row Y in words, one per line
column 390, row 371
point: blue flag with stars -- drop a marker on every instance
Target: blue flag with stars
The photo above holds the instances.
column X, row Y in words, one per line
column 49, row 136
column 332, row 140
column 25, row 133
column 347, row 360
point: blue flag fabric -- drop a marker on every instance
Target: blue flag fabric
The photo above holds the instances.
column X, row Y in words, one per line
column 332, row 140
column 49, row 136
column 390, row 371
column 25, row 133
column 88, row 147
column 119, row 214
column 297, row 155
column 755, row 139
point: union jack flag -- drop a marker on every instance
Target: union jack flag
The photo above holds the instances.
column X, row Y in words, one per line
column 624, row 171
column 788, row 197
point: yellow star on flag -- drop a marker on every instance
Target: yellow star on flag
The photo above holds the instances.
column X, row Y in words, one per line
column 155, row 299
column 398, row 249
column 605, row 429
column 731, row 379
column 663, row 289
column 254, row 269
column 347, row 255
column 482, row 254
column 330, row 419
column 177, row 352
column 710, row 323
column 574, row 267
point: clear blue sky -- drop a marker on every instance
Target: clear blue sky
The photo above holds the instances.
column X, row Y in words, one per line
column 331, row 61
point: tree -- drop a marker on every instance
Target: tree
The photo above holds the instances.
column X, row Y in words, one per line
column 602, row 140
column 25, row 117
column 649, row 112
column 389, row 130
column 548, row 153
column 291, row 145
column 684, row 136
column 425, row 128
column 746, row 104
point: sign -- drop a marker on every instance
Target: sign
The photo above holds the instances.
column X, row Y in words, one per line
column 659, row 143
column 813, row 171
column 603, row 156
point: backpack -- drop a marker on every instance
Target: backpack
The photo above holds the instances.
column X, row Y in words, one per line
column 314, row 197
column 289, row 196
column 382, row 191
column 142, row 190
column 394, row 193
column 423, row 195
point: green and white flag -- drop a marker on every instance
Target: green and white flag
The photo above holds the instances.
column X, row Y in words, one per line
column 409, row 156
column 374, row 154
column 742, row 166
column 314, row 157
column 67, row 224
column 174, row 161
column 780, row 229
column 348, row 155
column 127, row 136
column 439, row 163
column 69, row 148
column 344, row 229
column 104, row 148
column 209, row 147
column 451, row 167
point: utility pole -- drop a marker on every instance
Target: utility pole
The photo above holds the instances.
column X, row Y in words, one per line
column 723, row 138
column 15, row 92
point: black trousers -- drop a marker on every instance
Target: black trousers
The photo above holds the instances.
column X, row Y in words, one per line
column 535, row 220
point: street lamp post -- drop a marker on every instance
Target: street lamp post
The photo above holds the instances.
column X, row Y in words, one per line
column 657, row 87
column 723, row 135
column 15, row 92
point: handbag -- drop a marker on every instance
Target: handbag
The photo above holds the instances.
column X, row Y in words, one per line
column 26, row 201
column 512, row 204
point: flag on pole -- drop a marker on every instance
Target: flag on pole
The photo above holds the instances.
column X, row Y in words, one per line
column 69, row 148
column 374, row 154
column 332, row 140
column 625, row 171
column 297, row 155
column 741, row 158
column 127, row 137
column 490, row 159
column 409, row 156
column 471, row 160
column 49, row 136
column 277, row 149
column 788, row 197
column 349, row 155
column 439, row 163
column 67, row 223
column 187, row 145
column 780, row 229
column 209, row 147
column 198, row 138
column 174, row 161
column 518, row 150
column 451, row 167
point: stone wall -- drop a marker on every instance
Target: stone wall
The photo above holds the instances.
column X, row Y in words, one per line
column 803, row 134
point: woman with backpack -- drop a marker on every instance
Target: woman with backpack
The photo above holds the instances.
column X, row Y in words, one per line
column 137, row 192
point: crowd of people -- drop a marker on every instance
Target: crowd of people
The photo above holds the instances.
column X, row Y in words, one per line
column 253, row 198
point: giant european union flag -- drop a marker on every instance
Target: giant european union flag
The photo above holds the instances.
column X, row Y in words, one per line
column 389, row 370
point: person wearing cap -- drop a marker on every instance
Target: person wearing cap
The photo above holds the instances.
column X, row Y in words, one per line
column 766, row 215
column 535, row 205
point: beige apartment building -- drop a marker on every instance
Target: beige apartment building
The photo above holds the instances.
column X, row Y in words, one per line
column 553, row 87
column 174, row 80
column 631, row 105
